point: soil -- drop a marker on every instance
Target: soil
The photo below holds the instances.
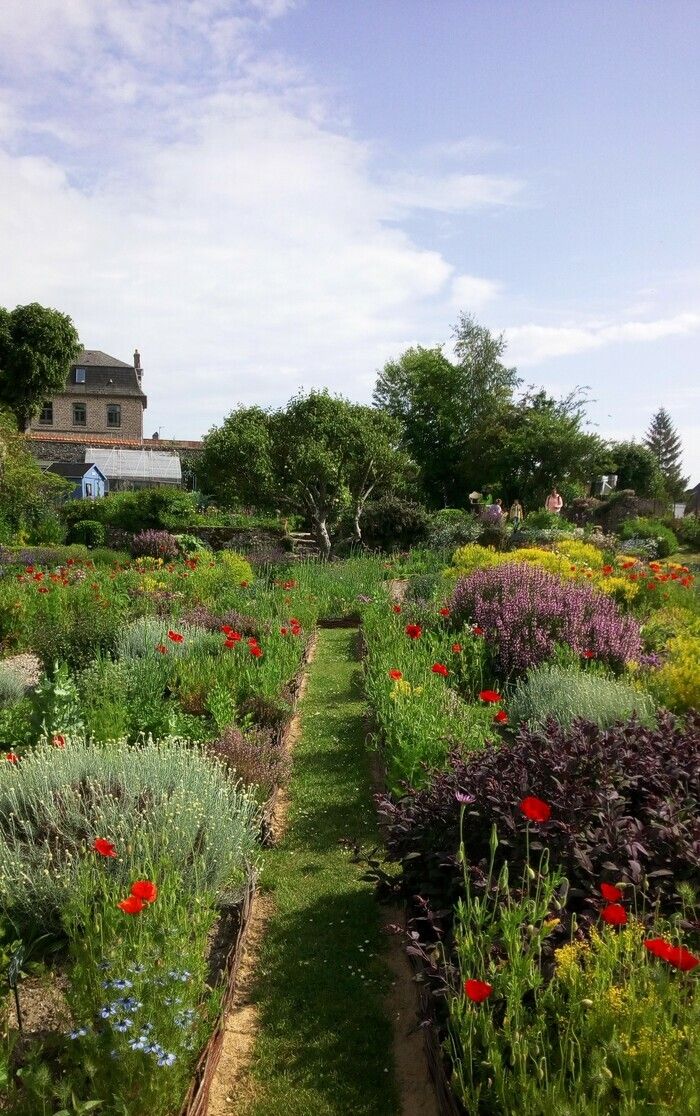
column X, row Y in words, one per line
column 26, row 668
column 43, row 1005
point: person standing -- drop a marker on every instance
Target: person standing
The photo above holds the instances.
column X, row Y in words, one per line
column 516, row 514
column 554, row 502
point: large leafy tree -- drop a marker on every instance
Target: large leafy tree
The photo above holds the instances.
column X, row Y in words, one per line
column 636, row 468
column 454, row 413
column 547, row 444
column 37, row 346
column 320, row 456
column 27, row 493
column 663, row 441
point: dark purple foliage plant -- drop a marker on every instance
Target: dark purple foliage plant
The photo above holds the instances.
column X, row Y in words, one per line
column 525, row 612
column 624, row 807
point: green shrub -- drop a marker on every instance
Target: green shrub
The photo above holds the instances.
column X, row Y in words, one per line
column 566, row 694
column 147, row 509
column 393, row 523
column 687, row 530
column 453, row 527
column 640, row 527
column 158, row 803
column 190, row 544
column 90, row 532
column 543, row 520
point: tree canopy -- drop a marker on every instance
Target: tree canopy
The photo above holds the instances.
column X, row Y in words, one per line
column 27, row 493
column 636, row 468
column 453, row 413
column 37, row 346
column 663, row 441
column 320, row 456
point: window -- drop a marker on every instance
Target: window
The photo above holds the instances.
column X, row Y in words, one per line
column 114, row 415
column 79, row 414
column 46, row 413
column 80, row 375
column 88, row 490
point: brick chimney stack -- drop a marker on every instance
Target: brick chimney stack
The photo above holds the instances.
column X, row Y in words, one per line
column 137, row 365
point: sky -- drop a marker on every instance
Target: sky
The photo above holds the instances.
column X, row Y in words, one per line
column 264, row 196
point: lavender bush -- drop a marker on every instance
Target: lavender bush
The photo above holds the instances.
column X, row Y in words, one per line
column 154, row 544
column 525, row 612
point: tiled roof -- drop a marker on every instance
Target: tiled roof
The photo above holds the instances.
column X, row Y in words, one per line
column 126, row 443
column 95, row 358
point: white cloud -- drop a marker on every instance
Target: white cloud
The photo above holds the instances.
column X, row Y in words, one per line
column 471, row 293
column 531, row 344
column 197, row 200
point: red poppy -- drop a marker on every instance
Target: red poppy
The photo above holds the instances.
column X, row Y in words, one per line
column 395, row 674
column 42, row 589
column 588, row 654
column 29, row 569
column 535, row 809
column 161, row 649
column 252, row 641
column 572, row 569
column 104, row 847
column 444, row 612
column 132, row 905
column 396, row 609
column 501, row 717
column 144, row 890
column 245, row 584
column 477, row 990
column 478, row 631
column 654, row 566
column 440, row 668
column 414, row 631
column 175, row 636
column 284, row 631
column 607, row 569
column 611, row 893
column 38, row 576
column 233, row 637
column 614, row 914
column 256, row 651
column 628, row 565
column 226, row 629
column 456, row 647
column 58, row 740
column 11, row 757
column 677, row 956
column 490, row 695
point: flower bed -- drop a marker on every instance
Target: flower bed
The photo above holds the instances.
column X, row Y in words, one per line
column 549, row 871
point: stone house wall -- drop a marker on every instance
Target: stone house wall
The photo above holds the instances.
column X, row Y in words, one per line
column 96, row 416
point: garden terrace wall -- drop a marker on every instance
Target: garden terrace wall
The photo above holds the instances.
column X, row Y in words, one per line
column 245, row 540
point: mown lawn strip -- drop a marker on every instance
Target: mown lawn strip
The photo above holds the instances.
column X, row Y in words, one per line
column 324, row 1041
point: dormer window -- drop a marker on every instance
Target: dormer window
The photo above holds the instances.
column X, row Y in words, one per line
column 80, row 375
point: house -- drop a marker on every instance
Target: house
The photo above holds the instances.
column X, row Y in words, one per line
column 90, row 482
column 103, row 396
column 136, row 468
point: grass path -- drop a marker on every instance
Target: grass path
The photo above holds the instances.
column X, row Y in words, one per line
column 324, row 1042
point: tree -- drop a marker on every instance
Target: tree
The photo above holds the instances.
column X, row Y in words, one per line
column 637, row 468
column 37, row 347
column 453, row 413
column 320, row 456
column 27, row 494
column 664, row 442
column 547, row 445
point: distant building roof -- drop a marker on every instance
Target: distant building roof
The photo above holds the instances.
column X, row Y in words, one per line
column 95, row 358
column 133, row 464
column 127, row 443
column 103, row 375
column 71, row 470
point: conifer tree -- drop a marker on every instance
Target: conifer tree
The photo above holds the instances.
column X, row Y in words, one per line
column 663, row 441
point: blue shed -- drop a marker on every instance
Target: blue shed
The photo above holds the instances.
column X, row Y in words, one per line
column 90, row 482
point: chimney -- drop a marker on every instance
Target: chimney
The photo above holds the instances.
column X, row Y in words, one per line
column 137, row 365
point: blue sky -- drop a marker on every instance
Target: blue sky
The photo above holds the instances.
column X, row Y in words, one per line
column 264, row 195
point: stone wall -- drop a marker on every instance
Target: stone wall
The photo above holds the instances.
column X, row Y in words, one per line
column 246, row 540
